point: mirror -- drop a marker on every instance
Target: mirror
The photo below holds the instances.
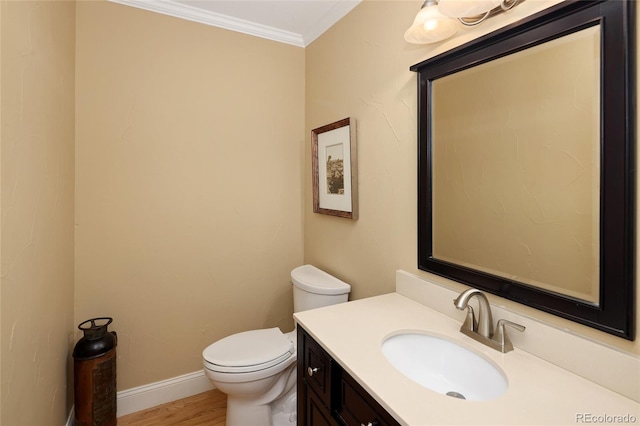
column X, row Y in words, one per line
column 526, row 184
column 515, row 168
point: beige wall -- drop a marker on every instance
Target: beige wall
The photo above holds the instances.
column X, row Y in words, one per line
column 37, row 153
column 191, row 165
column 189, row 158
column 360, row 68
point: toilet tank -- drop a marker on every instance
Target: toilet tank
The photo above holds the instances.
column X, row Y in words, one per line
column 313, row 288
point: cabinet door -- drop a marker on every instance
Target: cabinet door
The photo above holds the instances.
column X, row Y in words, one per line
column 355, row 407
column 316, row 413
column 314, row 383
column 316, row 368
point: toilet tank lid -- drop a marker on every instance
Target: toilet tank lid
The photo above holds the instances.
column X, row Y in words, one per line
column 311, row 279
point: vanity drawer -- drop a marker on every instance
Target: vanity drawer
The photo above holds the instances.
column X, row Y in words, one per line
column 355, row 407
column 316, row 369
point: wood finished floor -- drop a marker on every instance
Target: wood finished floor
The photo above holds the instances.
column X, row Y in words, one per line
column 208, row 408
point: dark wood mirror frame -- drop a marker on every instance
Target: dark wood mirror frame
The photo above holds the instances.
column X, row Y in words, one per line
column 615, row 311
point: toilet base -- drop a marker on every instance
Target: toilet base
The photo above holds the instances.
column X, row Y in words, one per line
column 241, row 412
column 283, row 419
column 284, row 411
column 268, row 402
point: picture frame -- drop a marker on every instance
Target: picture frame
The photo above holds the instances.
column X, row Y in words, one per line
column 334, row 165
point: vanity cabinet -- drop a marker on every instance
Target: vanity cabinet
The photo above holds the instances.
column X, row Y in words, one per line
column 328, row 395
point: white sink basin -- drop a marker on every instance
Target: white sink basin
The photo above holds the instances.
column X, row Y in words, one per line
column 443, row 366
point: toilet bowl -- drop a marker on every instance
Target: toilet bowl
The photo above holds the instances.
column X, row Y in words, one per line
column 257, row 368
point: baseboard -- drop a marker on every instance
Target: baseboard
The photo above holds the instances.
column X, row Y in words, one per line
column 147, row 396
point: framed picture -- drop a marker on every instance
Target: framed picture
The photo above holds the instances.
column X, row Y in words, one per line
column 335, row 178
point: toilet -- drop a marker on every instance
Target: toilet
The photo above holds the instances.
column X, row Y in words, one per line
column 257, row 368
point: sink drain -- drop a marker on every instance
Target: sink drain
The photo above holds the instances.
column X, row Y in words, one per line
column 456, row 395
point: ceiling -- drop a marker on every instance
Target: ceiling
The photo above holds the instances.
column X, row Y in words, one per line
column 296, row 22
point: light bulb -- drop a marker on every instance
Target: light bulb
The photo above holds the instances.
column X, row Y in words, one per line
column 431, row 25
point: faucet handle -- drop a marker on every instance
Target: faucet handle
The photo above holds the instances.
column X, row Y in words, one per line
column 501, row 337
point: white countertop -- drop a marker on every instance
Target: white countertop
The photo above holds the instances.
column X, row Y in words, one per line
column 539, row 392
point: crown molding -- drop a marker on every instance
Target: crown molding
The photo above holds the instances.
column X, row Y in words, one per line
column 179, row 10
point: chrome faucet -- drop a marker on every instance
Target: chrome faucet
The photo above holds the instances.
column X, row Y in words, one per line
column 481, row 328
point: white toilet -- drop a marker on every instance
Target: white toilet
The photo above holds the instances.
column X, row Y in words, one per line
column 257, row 368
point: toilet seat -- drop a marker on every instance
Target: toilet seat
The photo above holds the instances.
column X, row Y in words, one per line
column 248, row 351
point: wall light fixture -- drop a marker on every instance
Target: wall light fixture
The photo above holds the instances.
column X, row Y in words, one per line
column 436, row 19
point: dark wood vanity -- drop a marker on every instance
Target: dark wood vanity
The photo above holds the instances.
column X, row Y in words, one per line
column 328, row 395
